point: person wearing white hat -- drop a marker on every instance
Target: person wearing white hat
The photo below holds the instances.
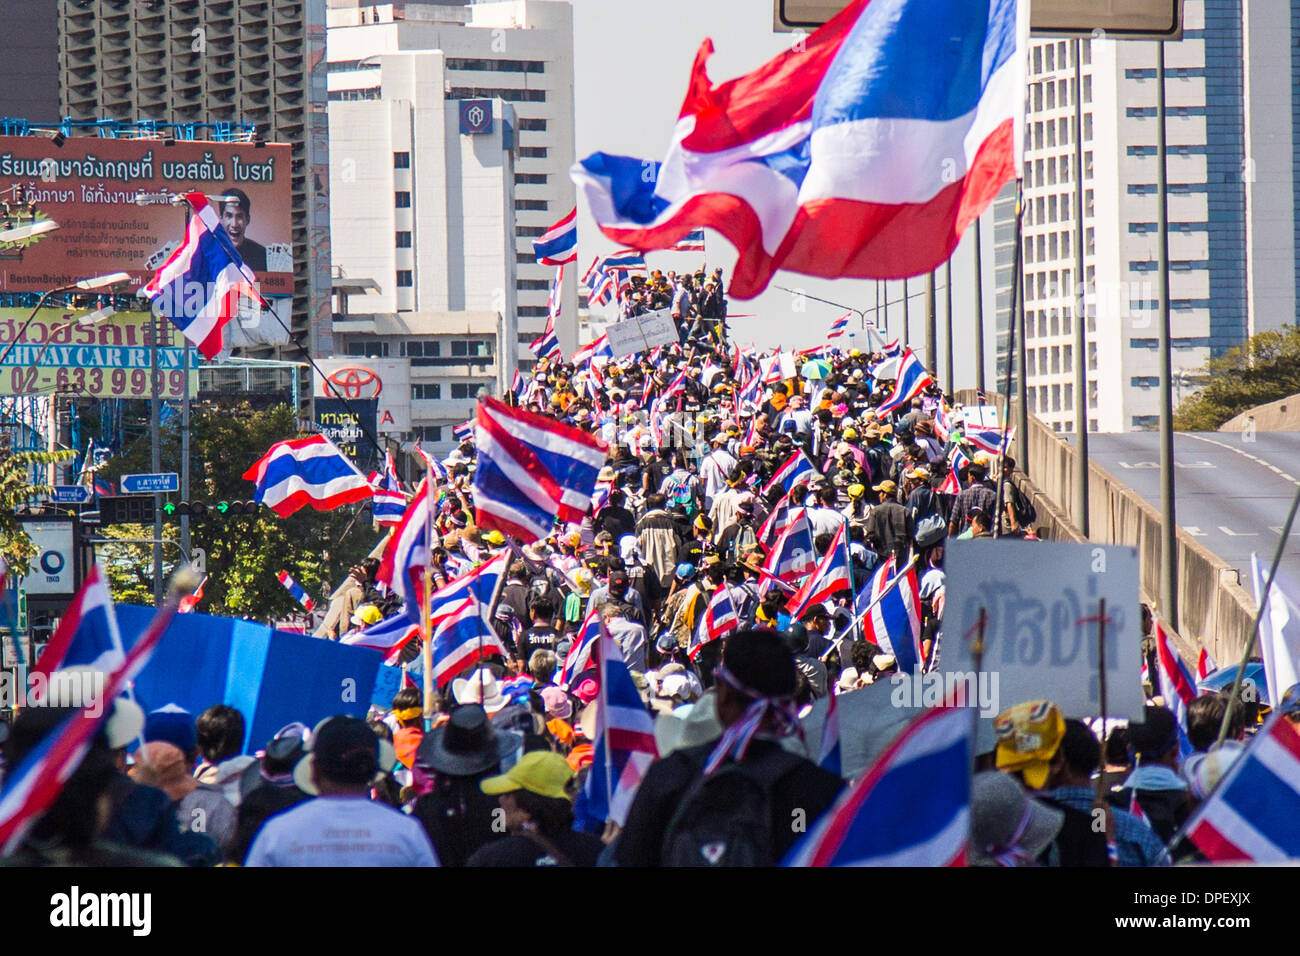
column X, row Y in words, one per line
column 482, row 688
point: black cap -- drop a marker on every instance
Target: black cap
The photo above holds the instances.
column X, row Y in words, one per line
column 345, row 750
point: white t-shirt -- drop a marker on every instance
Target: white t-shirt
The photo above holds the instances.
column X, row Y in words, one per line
column 341, row 831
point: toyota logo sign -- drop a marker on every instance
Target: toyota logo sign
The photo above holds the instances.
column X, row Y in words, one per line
column 356, row 381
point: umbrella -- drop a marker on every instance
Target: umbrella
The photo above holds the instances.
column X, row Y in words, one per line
column 1222, row 679
column 815, row 369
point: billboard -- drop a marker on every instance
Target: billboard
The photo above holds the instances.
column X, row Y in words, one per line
column 107, row 360
column 387, row 381
column 53, row 571
column 111, row 199
column 347, row 426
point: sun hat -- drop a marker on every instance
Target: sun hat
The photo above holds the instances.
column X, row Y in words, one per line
column 557, row 702
column 481, row 687
column 1008, row 828
column 345, row 749
column 542, row 772
column 1028, row 737
column 164, row 766
column 467, row 744
column 283, row 751
column 688, row 728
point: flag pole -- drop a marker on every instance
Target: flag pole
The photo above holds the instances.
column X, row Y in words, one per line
column 853, row 589
column 1005, row 416
column 426, row 627
column 889, row 586
column 1112, row 848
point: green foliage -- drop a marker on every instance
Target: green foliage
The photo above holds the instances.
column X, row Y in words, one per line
column 18, row 491
column 1264, row 369
column 244, row 553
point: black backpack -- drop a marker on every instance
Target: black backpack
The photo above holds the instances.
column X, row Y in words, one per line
column 725, row 819
column 1025, row 512
column 1078, row 843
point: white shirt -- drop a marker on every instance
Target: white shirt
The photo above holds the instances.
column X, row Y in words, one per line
column 341, row 831
column 825, row 520
column 714, row 470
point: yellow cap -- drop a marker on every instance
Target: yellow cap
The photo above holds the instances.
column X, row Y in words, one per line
column 1028, row 737
column 542, row 772
column 495, row 538
column 367, row 614
column 857, row 491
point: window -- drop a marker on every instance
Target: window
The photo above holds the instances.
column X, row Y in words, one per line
column 418, row 348
column 1029, row 360
column 1087, row 202
column 533, row 152
column 1065, row 244
column 403, row 240
column 405, row 278
column 531, row 312
column 1056, row 359
column 1069, row 396
column 401, row 160
column 1051, row 246
column 1067, row 357
column 496, row 66
column 402, row 200
column 1050, row 59
column 467, row 348
column 1087, row 89
column 525, row 258
column 505, row 93
column 1087, row 133
column 422, row 393
column 536, row 125
column 428, row 432
column 1051, row 208
column 535, row 205
column 1051, row 96
column 1067, row 326
column 532, row 284
column 464, row 390
column 1051, row 171
column 372, row 348
column 1042, row 361
column 1063, row 125
column 1092, row 396
column 349, row 96
column 1056, row 398
column 1038, row 96
column 530, row 179
column 529, row 232
column 1051, row 134
column 1038, row 59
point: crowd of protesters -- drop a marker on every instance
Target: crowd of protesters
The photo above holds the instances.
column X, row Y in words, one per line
column 677, row 516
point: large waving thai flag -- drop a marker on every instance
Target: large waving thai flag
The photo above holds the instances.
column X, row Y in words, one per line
column 390, row 635
column 792, row 471
column 559, row 244
column 1251, row 814
column 461, row 639
column 599, row 349
column 831, row 575
column 531, row 471
column 864, row 151
column 1176, row 686
column 201, row 283
column 912, row 380
column 989, row 439
column 781, row 515
column 306, row 471
column 793, row 555
column 839, row 326
column 389, row 502
column 87, row 634
column 912, row 808
column 624, row 738
column 895, row 622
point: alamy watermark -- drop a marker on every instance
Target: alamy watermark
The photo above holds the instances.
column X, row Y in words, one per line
column 83, row 689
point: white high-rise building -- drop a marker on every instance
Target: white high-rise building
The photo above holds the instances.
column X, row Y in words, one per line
column 1232, row 196
column 518, row 52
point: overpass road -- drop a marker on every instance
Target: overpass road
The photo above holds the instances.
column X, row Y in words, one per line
column 1231, row 494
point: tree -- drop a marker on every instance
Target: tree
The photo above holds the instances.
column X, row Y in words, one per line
column 245, row 552
column 18, row 491
column 1264, row 369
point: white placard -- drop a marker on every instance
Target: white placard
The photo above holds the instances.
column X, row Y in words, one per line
column 641, row 333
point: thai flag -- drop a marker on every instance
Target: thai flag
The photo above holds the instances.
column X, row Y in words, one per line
column 462, row 638
column 624, row 739
column 594, row 350
column 548, row 345
column 407, row 553
column 306, row 471
column 624, row 260
column 517, row 386
column 892, row 349
column 464, row 431
column 431, row 464
column 1176, row 685
column 295, row 589
column 390, row 635
column 558, row 244
column 201, row 283
column 600, row 496
column 531, row 471
column 1251, row 814
column 676, row 386
column 693, row 241
column 895, row 622
column 989, row 439
column 839, row 326
column 952, row 484
column 911, row 808
column 830, row 576
column 1204, row 665
column 389, row 502
column 943, row 426
column 599, row 283
column 770, row 368
column 479, row 583
column 720, row 619
column 87, row 634
column 578, row 660
column 829, row 758
column 794, row 470
column 33, row 785
column 775, row 523
column 912, row 380
column 827, row 159
column 793, row 555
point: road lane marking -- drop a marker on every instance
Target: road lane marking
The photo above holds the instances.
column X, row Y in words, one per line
column 1245, row 454
column 1194, row 531
column 1237, row 534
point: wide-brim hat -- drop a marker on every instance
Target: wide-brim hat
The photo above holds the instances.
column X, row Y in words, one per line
column 481, row 687
column 1003, row 815
column 695, row 726
column 302, row 770
column 467, row 744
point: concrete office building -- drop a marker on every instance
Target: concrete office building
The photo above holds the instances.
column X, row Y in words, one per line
column 1232, row 196
column 519, row 52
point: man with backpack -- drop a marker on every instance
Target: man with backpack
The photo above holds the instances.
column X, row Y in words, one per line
column 743, row 799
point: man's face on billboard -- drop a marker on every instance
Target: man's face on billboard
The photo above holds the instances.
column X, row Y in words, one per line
column 235, row 221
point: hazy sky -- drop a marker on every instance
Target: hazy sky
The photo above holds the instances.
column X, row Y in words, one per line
column 632, row 63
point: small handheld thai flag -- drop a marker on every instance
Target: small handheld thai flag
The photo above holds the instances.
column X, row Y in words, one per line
column 1204, row 664
column 431, row 464
column 911, row 808
column 390, row 635
column 295, row 589
column 839, row 326
column 579, row 657
column 462, row 639
column 793, row 554
column 895, row 622
column 912, row 380
column 1176, row 685
column 989, row 439
column 306, row 471
column 830, row 576
column 207, row 261
column 693, row 241
column 389, row 503
column 464, row 431
column 792, row 471
column 952, row 484
column 558, row 244
column 720, row 618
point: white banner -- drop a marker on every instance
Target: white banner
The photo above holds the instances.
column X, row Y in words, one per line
column 641, row 333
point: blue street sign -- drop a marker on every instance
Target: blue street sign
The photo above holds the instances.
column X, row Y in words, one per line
column 70, row 494
column 149, row 484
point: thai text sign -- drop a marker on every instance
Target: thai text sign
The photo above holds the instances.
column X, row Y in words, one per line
column 107, row 360
column 111, row 199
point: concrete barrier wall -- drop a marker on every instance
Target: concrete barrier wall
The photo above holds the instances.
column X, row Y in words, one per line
column 1214, row 610
column 1282, row 415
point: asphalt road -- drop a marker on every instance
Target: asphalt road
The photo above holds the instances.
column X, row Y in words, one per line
column 1231, row 494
